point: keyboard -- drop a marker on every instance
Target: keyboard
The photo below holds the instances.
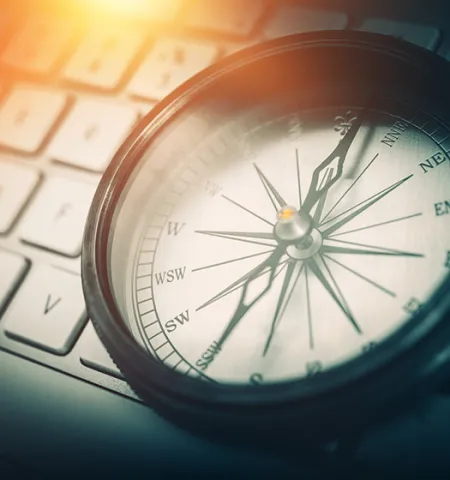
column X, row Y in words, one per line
column 70, row 92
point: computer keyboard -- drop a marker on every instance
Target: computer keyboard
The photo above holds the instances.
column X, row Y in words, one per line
column 71, row 91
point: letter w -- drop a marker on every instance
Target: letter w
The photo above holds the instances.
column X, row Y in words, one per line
column 182, row 317
column 179, row 272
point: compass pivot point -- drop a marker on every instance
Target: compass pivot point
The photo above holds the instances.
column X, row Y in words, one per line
column 292, row 226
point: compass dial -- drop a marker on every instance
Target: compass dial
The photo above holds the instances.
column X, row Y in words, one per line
column 276, row 234
column 350, row 271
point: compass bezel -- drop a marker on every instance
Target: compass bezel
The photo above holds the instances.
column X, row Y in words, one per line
column 357, row 389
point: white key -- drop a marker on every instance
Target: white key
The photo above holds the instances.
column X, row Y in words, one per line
column 27, row 116
column 57, row 216
column 103, row 57
column 12, row 268
column 94, row 355
column 38, row 45
column 91, row 133
column 423, row 35
column 48, row 311
column 232, row 17
column 293, row 19
column 16, row 185
column 170, row 63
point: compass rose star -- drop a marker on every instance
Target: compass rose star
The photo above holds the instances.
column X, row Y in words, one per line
column 303, row 245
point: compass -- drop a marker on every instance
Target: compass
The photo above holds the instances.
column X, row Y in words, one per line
column 287, row 270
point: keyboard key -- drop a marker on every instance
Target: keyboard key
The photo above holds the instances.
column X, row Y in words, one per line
column 94, row 355
column 232, row 17
column 38, row 45
column 57, row 216
column 292, row 19
column 91, row 134
column 48, row 311
column 170, row 63
column 423, row 35
column 16, row 185
column 27, row 116
column 104, row 56
column 13, row 268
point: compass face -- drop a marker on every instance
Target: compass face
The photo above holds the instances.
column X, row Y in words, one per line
column 284, row 240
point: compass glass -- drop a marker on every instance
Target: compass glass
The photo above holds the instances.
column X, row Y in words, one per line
column 250, row 259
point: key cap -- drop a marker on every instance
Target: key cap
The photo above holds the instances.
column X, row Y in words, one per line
column 232, row 17
column 57, row 216
column 170, row 63
column 94, row 355
column 293, row 19
column 38, row 45
column 27, row 116
column 91, row 134
column 12, row 268
column 16, row 186
column 104, row 56
column 423, row 35
column 48, row 310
